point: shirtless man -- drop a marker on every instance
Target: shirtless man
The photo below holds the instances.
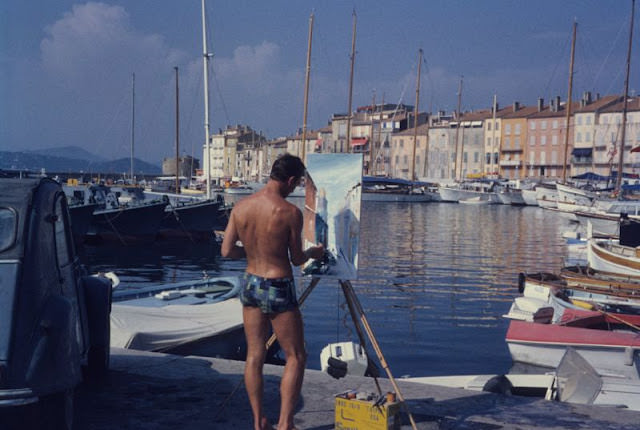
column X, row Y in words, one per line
column 270, row 230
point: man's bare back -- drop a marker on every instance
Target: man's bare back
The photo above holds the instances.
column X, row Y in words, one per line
column 269, row 228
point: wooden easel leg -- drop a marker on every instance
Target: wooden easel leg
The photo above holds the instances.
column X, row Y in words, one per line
column 356, row 307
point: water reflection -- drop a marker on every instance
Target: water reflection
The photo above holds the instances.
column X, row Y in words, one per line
column 434, row 280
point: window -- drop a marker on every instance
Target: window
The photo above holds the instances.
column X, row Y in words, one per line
column 507, row 142
column 588, row 120
column 554, row 139
column 488, row 158
column 543, row 140
column 517, row 129
column 578, row 137
column 497, row 126
column 8, row 227
column 579, row 119
column 543, row 125
column 555, row 124
column 532, row 125
column 516, row 142
column 543, row 157
column 488, row 141
column 406, row 160
column 507, row 129
column 496, row 157
column 554, row 157
column 587, row 137
column 489, row 126
column 532, row 141
column 401, row 143
column 532, row 158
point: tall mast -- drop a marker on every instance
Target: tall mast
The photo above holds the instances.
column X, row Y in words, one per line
column 412, row 177
column 133, row 120
column 455, row 160
column 373, row 109
column 205, row 58
column 493, row 134
column 177, row 134
column 568, row 107
column 353, row 59
column 625, row 102
column 306, row 90
column 379, row 145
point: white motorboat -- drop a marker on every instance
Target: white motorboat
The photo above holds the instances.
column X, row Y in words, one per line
column 202, row 317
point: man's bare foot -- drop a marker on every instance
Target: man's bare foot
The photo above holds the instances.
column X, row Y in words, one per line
column 265, row 424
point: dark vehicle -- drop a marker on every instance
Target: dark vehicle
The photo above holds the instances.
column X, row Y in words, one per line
column 54, row 319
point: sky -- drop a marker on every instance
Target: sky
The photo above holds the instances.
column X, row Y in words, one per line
column 66, row 67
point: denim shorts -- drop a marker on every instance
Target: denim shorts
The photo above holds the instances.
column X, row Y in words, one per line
column 272, row 296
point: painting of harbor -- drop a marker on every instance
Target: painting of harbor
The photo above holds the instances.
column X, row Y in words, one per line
column 332, row 213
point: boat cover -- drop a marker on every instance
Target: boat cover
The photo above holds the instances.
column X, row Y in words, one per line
column 160, row 329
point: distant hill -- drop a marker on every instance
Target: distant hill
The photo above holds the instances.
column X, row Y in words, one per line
column 71, row 152
column 37, row 160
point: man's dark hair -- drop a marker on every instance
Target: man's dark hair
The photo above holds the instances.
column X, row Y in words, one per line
column 285, row 166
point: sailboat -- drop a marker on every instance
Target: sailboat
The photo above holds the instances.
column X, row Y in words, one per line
column 190, row 216
column 382, row 189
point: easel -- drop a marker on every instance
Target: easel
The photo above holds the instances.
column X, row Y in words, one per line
column 359, row 321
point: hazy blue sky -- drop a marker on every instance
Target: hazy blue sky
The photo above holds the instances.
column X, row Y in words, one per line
column 66, row 66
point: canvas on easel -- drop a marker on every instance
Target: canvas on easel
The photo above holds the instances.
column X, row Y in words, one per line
column 332, row 213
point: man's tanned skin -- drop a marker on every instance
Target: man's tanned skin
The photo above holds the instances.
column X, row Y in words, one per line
column 270, row 229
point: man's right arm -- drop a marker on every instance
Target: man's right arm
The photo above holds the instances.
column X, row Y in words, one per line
column 298, row 256
column 229, row 248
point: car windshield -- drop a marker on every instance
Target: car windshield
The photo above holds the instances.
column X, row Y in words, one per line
column 8, row 227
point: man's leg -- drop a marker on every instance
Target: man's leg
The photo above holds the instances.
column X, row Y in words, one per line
column 289, row 331
column 256, row 329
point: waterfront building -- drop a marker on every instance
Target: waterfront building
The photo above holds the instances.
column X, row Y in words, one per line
column 401, row 152
column 492, row 130
column 469, row 144
column 608, row 136
column 441, row 153
column 215, row 163
column 294, row 144
column 187, row 166
column 514, row 139
column 587, row 156
column 545, row 140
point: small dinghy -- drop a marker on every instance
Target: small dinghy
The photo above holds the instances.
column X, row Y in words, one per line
column 475, row 201
column 343, row 358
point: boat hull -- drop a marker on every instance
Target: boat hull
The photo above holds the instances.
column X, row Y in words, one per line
column 199, row 218
column 608, row 256
column 609, row 353
column 141, row 221
column 394, row 197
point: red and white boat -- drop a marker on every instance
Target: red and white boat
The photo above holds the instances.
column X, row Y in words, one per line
column 609, row 352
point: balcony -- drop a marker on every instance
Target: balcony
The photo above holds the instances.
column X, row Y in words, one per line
column 511, row 149
column 510, row 163
column 581, row 160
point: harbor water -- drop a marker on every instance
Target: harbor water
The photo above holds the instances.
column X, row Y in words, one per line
column 434, row 280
